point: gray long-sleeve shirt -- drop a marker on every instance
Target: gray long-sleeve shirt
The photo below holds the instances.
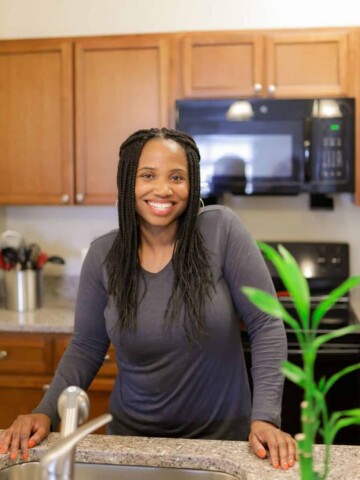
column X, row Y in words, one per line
column 164, row 388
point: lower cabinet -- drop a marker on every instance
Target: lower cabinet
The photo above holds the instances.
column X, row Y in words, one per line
column 27, row 364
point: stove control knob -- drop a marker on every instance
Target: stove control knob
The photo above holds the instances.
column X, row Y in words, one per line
column 335, row 260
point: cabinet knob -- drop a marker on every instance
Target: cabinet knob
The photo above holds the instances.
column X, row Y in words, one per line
column 65, row 198
column 3, row 354
column 80, row 197
column 257, row 87
column 271, row 88
column 46, row 387
column 107, row 358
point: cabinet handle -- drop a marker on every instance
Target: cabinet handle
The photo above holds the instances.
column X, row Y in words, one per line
column 257, row 87
column 107, row 358
column 3, row 354
column 271, row 88
column 65, row 198
column 80, row 197
column 46, row 387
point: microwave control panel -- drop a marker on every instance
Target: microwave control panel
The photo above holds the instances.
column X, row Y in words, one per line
column 332, row 165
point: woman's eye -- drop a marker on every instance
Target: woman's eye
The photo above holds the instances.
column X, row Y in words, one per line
column 147, row 175
column 177, row 178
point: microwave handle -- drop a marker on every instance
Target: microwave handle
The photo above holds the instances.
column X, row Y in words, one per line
column 307, row 150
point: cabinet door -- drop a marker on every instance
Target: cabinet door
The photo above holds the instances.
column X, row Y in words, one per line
column 25, row 354
column 221, row 65
column 20, row 395
column 306, row 64
column 121, row 87
column 36, row 126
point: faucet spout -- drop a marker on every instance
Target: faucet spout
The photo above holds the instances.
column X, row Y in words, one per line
column 55, row 462
column 73, row 408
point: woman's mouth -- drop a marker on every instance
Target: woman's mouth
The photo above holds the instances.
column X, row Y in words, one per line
column 160, row 208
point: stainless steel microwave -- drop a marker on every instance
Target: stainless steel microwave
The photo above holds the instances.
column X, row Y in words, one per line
column 272, row 146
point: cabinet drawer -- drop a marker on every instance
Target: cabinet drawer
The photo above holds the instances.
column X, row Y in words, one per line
column 25, row 355
column 109, row 368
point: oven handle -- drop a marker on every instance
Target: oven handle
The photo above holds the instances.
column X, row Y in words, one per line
column 329, row 351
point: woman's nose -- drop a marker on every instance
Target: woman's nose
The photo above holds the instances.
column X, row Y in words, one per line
column 162, row 188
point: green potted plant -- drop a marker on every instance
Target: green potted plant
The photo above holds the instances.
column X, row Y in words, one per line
column 314, row 413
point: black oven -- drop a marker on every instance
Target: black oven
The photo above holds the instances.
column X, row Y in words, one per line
column 325, row 266
column 271, row 146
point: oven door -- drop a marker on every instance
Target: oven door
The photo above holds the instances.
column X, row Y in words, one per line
column 344, row 395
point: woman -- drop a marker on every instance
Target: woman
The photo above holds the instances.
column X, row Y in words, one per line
column 165, row 290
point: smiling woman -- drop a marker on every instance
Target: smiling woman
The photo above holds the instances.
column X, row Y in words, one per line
column 165, row 289
column 161, row 191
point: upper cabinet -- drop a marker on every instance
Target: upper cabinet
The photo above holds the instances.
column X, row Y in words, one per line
column 221, row 64
column 61, row 128
column 36, row 122
column 122, row 85
column 283, row 64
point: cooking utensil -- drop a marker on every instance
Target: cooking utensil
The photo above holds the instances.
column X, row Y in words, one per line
column 11, row 238
column 56, row 259
column 32, row 252
column 11, row 258
column 43, row 259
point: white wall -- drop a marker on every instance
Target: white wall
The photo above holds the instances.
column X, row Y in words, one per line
column 49, row 18
column 66, row 230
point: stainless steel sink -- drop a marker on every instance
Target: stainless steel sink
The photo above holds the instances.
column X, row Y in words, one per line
column 93, row 471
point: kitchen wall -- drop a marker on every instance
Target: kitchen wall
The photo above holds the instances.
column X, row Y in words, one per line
column 68, row 230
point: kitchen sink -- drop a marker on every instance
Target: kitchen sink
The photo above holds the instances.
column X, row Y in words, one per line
column 95, row 471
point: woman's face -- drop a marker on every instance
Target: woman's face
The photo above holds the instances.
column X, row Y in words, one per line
column 162, row 183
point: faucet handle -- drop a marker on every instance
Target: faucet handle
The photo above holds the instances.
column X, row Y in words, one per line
column 56, row 459
column 73, row 408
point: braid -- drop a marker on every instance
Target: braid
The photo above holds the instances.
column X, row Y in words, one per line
column 192, row 273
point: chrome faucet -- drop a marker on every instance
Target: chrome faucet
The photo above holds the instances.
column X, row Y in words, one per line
column 73, row 406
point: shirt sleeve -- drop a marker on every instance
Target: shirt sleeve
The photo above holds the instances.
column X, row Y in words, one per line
column 89, row 344
column 245, row 266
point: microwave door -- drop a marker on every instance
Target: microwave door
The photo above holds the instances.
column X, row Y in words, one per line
column 252, row 158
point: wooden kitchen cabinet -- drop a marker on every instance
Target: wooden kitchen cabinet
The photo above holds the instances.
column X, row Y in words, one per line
column 27, row 364
column 61, row 128
column 285, row 64
column 36, row 122
column 221, row 64
column 122, row 85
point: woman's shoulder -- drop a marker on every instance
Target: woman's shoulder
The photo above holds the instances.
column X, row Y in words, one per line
column 102, row 244
column 218, row 221
column 216, row 215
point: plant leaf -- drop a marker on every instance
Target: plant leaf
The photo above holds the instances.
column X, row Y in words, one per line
column 292, row 279
column 293, row 373
column 332, row 298
column 334, row 378
column 340, row 332
column 271, row 305
column 301, row 294
column 343, row 419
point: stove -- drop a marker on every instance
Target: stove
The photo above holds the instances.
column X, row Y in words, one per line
column 325, row 266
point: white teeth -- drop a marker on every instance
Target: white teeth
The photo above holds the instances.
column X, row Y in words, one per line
column 160, row 206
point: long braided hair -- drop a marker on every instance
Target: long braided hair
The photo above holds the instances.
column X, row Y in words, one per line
column 192, row 273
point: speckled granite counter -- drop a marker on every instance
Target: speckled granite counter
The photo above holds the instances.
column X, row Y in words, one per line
column 44, row 320
column 234, row 458
column 56, row 316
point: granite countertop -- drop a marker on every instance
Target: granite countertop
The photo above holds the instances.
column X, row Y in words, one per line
column 55, row 316
column 234, row 458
